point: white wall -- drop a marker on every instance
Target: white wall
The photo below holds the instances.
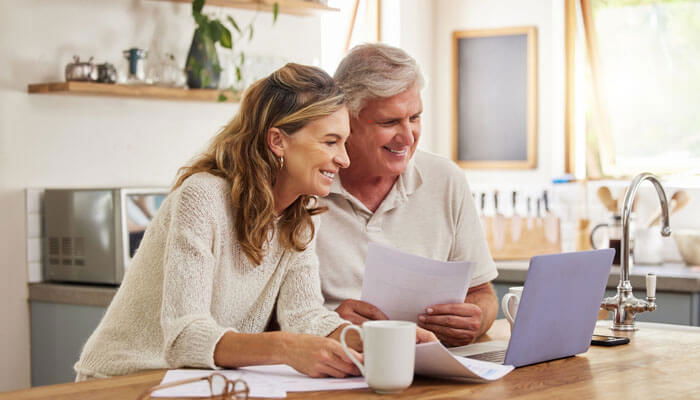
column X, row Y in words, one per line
column 548, row 16
column 64, row 141
column 417, row 37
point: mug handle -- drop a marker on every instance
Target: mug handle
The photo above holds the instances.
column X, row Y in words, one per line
column 345, row 345
column 504, row 306
column 595, row 228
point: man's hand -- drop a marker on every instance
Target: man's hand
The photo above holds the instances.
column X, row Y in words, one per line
column 454, row 324
column 358, row 311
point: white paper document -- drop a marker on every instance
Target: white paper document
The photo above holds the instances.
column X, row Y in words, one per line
column 433, row 359
column 402, row 285
column 271, row 381
column 290, row 380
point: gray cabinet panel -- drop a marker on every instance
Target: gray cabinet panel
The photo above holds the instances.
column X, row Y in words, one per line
column 674, row 308
column 58, row 333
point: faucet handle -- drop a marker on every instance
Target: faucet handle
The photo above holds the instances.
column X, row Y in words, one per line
column 651, row 285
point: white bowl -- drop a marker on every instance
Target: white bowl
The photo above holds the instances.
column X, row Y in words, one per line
column 688, row 242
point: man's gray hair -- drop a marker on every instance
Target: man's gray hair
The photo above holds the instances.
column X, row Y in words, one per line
column 376, row 70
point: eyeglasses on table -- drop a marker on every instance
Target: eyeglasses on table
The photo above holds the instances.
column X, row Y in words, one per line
column 220, row 387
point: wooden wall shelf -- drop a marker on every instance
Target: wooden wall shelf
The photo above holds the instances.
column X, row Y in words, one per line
column 136, row 91
column 294, row 7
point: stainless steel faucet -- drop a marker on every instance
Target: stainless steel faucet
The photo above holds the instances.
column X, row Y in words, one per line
column 624, row 305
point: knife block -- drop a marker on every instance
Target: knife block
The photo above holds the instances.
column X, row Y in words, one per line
column 518, row 238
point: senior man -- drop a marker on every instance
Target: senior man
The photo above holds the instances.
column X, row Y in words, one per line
column 397, row 195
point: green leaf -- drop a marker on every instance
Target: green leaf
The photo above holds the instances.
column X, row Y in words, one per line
column 225, row 38
column 239, row 75
column 222, row 98
column 214, row 30
column 234, row 24
column 197, row 6
column 275, row 11
column 250, row 32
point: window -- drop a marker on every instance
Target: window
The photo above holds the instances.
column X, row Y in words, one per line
column 357, row 22
column 640, row 92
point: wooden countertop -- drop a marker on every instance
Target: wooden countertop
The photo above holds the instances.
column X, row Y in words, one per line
column 669, row 277
column 661, row 362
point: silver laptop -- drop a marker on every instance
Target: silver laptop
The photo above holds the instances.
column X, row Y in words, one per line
column 557, row 312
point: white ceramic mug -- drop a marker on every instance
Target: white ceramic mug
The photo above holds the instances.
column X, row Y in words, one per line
column 510, row 303
column 389, row 350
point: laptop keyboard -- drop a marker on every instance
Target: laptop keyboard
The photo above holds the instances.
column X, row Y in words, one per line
column 493, row 356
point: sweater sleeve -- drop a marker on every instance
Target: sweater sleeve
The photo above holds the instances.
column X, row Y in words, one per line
column 300, row 303
column 190, row 332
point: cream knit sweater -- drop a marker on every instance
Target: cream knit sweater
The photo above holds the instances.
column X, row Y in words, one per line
column 190, row 282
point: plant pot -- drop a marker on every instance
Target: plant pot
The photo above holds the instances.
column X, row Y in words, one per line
column 202, row 67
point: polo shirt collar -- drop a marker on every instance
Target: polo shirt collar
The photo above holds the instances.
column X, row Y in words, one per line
column 409, row 181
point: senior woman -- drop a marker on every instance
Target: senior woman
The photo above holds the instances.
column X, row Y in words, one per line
column 232, row 241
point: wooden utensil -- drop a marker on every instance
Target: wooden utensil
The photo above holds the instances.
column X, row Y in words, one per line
column 679, row 200
column 607, row 199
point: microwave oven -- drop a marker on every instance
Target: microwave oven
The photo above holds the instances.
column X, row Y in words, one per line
column 91, row 235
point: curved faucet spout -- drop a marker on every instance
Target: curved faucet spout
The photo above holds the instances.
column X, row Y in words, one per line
column 627, row 209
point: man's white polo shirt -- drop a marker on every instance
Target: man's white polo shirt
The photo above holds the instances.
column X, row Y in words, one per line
column 428, row 212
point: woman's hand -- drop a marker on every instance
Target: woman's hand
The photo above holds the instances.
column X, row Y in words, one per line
column 319, row 357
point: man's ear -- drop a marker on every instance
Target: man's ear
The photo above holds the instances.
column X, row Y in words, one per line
column 276, row 141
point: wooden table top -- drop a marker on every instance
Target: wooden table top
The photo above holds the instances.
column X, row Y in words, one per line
column 661, row 362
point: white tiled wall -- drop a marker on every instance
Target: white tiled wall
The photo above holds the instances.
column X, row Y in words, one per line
column 34, row 212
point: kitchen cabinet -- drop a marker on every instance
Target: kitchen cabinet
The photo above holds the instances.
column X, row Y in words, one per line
column 58, row 333
column 677, row 293
column 673, row 308
column 62, row 318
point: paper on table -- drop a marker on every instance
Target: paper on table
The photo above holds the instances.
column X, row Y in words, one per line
column 433, row 359
column 402, row 285
column 259, row 386
column 290, row 380
column 272, row 381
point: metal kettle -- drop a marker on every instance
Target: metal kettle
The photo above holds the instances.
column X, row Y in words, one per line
column 81, row 71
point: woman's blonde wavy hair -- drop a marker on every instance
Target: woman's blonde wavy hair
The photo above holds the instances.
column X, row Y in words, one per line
column 288, row 99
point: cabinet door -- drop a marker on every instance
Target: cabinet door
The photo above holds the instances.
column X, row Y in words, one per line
column 673, row 308
column 58, row 333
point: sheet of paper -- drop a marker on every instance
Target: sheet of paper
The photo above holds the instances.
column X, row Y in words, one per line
column 259, row 386
column 403, row 285
column 290, row 380
column 433, row 359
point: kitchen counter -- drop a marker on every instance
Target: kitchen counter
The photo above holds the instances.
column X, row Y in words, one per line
column 66, row 293
column 656, row 364
column 669, row 277
column 677, row 289
column 64, row 315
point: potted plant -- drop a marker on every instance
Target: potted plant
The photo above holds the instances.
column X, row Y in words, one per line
column 202, row 67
